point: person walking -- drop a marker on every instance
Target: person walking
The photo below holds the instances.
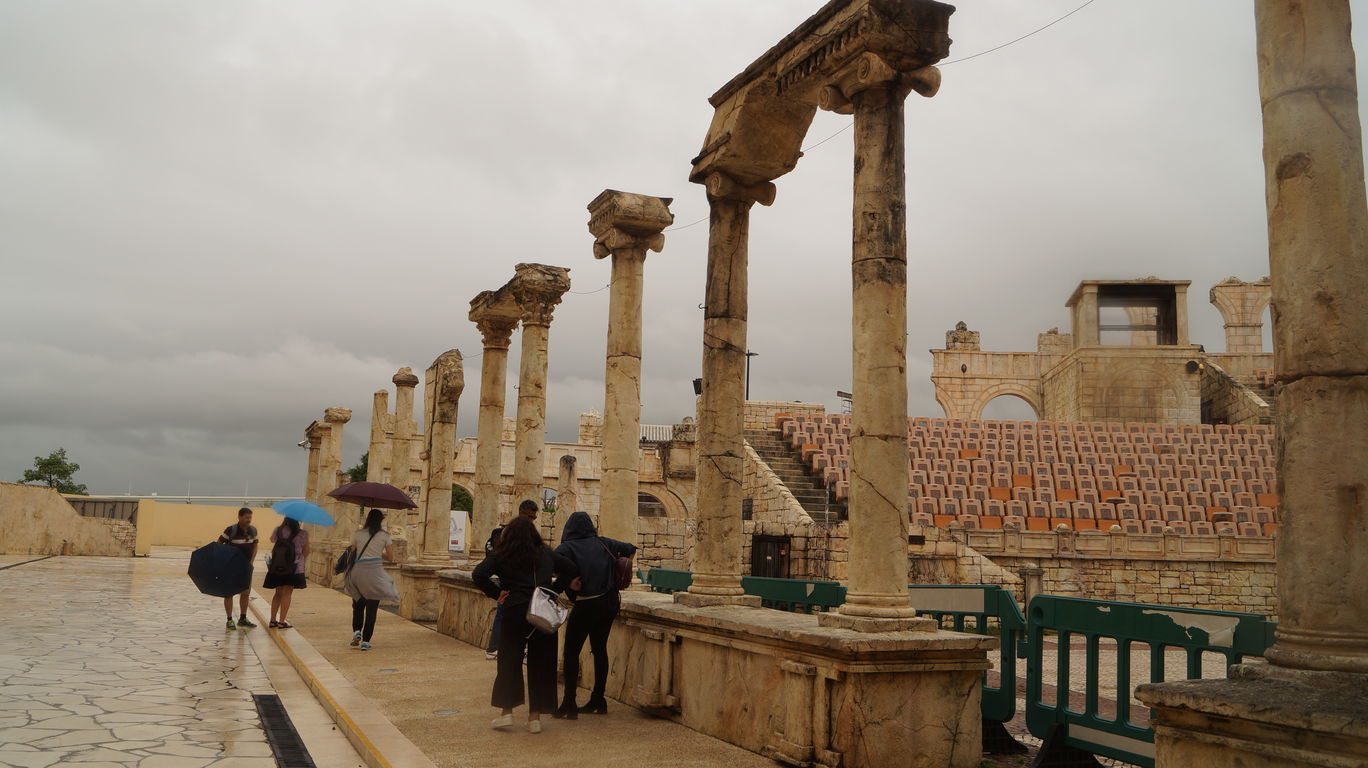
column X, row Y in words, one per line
column 523, row 562
column 596, row 605
column 366, row 582
column 528, row 509
column 242, row 535
column 285, row 570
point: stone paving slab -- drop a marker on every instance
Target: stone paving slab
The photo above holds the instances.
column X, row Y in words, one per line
column 121, row 662
column 435, row 690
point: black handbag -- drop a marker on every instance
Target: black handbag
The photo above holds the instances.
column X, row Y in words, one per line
column 347, row 559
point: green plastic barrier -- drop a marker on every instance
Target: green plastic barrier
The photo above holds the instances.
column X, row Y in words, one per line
column 1131, row 626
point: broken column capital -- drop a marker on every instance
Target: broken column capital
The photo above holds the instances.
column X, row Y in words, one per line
column 537, row 289
column 722, row 186
column 337, row 415
column 405, row 378
column 625, row 221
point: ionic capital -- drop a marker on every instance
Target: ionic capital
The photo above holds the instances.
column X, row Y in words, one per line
column 621, row 243
column 337, row 415
column 628, row 221
column 496, row 331
column 720, row 186
column 871, row 71
column 405, row 378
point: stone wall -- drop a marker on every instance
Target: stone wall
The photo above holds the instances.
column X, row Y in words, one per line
column 39, row 521
column 1227, row 400
column 1224, row 572
column 1125, row 384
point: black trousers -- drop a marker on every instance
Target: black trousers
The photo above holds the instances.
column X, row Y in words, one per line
column 592, row 619
column 515, row 634
column 363, row 617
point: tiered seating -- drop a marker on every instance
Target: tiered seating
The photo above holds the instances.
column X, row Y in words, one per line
column 1038, row 475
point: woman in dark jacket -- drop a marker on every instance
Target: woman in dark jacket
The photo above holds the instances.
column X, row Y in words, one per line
column 596, row 605
column 522, row 561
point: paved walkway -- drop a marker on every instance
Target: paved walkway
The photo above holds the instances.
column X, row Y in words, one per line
column 120, row 662
column 435, row 689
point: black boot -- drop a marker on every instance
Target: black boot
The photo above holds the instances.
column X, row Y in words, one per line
column 595, row 706
column 566, row 711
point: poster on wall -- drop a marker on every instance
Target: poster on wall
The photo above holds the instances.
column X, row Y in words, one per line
column 458, row 530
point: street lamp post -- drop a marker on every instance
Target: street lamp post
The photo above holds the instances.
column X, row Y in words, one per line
column 749, row 355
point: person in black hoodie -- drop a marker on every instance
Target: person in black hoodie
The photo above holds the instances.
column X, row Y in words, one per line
column 522, row 562
column 596, row 605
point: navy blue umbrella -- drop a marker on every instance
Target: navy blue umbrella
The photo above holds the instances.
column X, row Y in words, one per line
column 220, row 570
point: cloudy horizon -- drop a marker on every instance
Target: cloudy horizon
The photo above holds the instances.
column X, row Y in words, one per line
column 217, row 220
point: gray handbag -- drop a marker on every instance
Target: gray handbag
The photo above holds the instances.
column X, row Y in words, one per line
column 545, row 612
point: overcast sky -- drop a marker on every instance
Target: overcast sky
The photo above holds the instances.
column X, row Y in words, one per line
column 217, row 219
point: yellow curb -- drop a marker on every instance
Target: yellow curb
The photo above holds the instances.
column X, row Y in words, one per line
column 355, row 734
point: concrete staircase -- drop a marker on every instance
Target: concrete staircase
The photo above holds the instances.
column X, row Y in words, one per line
column 808, row 490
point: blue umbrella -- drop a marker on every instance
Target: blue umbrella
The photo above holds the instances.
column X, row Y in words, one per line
column 303, row 511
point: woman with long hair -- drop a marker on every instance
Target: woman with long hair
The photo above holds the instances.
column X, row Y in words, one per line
column 523, row 562
column 366, row 581
column 291, row 549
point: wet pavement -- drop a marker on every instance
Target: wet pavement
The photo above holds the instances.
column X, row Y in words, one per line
column 120, row 662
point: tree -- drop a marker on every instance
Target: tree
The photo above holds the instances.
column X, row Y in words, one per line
column 358, row 473
column 460, row 499
column 55, row 471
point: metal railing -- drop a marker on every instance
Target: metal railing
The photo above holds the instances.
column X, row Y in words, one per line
column 1231, row 636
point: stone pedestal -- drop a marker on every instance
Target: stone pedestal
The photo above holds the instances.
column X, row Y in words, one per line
column 1262, row 717
column 419, row 595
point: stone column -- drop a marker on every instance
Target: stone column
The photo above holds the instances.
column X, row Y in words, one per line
column 721, row 443
column 877, row 596
column 1241, row 305
column 329, row 467
column 567, row 491
column 379, row 444
column 311, row 481
column 496, row 332
column 537, row 289
column 625, row 226
column 441, row 450
column 401, row 442
column 1309, row 704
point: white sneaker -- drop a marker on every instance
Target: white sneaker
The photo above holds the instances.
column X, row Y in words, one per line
column 491, row 655
column 356, row 639
column 534, row 726
column 502, row 721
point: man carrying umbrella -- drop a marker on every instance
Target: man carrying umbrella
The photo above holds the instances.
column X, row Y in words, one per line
column 242, row 535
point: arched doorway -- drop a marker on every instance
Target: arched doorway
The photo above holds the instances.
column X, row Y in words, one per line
column 1009, row 407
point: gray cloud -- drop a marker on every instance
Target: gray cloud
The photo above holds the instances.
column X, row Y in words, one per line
column 216, row 220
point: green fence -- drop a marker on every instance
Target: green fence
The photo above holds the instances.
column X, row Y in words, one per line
column 1130, row 628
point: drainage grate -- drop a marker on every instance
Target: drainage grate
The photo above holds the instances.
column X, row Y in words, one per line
column 288, row 748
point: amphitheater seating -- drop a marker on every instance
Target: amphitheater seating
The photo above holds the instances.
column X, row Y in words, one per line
column 1039, row 475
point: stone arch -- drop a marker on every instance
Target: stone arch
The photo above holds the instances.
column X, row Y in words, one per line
column 1161, row 388
column 470, row 493
column 674, row 505
column 1015, row 389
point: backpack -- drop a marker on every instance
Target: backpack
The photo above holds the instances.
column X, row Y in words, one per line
column 282, row 561
column 622, row 568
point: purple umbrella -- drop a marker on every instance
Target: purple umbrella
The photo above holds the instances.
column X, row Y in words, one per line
column 382, row 495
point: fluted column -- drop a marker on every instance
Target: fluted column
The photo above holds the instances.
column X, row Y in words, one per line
column 625, row 226
column 1318, row 251
column 379, row 444
column 877, row 596
column 721, row 441
column 449, row 382
column 401, row 441
column 537, row 289
column 496, row 332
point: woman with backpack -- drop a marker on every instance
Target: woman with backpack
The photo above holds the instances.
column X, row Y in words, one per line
column 596, row 605
column 285, row 569
column 366, row 582
column 523, row 563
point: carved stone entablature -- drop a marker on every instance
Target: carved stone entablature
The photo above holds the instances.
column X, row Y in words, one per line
column 625, row 220
column 405, row 378
column 762, row 115
column 961, row 338
column 337, row 415
column 538, row 288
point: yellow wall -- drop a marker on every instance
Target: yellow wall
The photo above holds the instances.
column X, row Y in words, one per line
column 167, row 524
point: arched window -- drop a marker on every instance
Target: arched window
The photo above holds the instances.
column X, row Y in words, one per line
column 649, row 506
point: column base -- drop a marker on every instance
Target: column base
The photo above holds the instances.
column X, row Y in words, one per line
column 698, row 600
column 1263, row 716
column 838, row 620
column 418, row 591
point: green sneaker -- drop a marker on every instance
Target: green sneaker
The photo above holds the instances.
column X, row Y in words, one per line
column 230, row 625
column 243, row 621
